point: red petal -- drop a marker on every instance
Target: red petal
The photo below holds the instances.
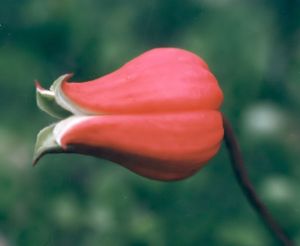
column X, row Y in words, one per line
column 160, row 146
column 160, row 80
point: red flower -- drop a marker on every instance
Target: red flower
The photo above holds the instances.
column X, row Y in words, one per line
column 157, row 115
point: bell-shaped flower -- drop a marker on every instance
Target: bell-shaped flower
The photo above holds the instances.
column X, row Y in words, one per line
column 158, row 115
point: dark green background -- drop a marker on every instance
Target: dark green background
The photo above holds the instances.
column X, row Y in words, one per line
column 253, row 47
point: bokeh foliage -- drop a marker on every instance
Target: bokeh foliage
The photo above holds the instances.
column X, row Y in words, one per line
column 253, row 47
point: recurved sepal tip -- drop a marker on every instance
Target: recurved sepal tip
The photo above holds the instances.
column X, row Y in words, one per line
column 45, row 143
column 47, row 102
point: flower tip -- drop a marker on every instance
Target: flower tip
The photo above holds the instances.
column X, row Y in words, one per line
column 35, row 159
column 38, row 85
column 67, row 76
column 45, row 143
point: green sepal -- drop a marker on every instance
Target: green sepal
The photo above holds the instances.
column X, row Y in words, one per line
column 46, row 143
column 46, row 102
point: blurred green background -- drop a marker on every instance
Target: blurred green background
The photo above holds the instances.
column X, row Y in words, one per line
column 253, row 47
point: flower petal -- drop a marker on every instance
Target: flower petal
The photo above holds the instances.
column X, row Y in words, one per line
column 160, row 80
column 159, row 146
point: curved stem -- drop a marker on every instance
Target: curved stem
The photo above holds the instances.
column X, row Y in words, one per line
column 247, row 187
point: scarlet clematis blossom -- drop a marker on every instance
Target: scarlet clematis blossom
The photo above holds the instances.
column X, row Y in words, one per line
column 158, row 115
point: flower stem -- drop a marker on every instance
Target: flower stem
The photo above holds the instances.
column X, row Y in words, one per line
column 244, row 182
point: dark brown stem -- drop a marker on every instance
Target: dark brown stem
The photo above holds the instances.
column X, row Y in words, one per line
column 247, row 187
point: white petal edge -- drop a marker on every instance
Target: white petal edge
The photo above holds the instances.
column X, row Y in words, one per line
column 64, row 126
column 61, row 98
column 45, row 92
